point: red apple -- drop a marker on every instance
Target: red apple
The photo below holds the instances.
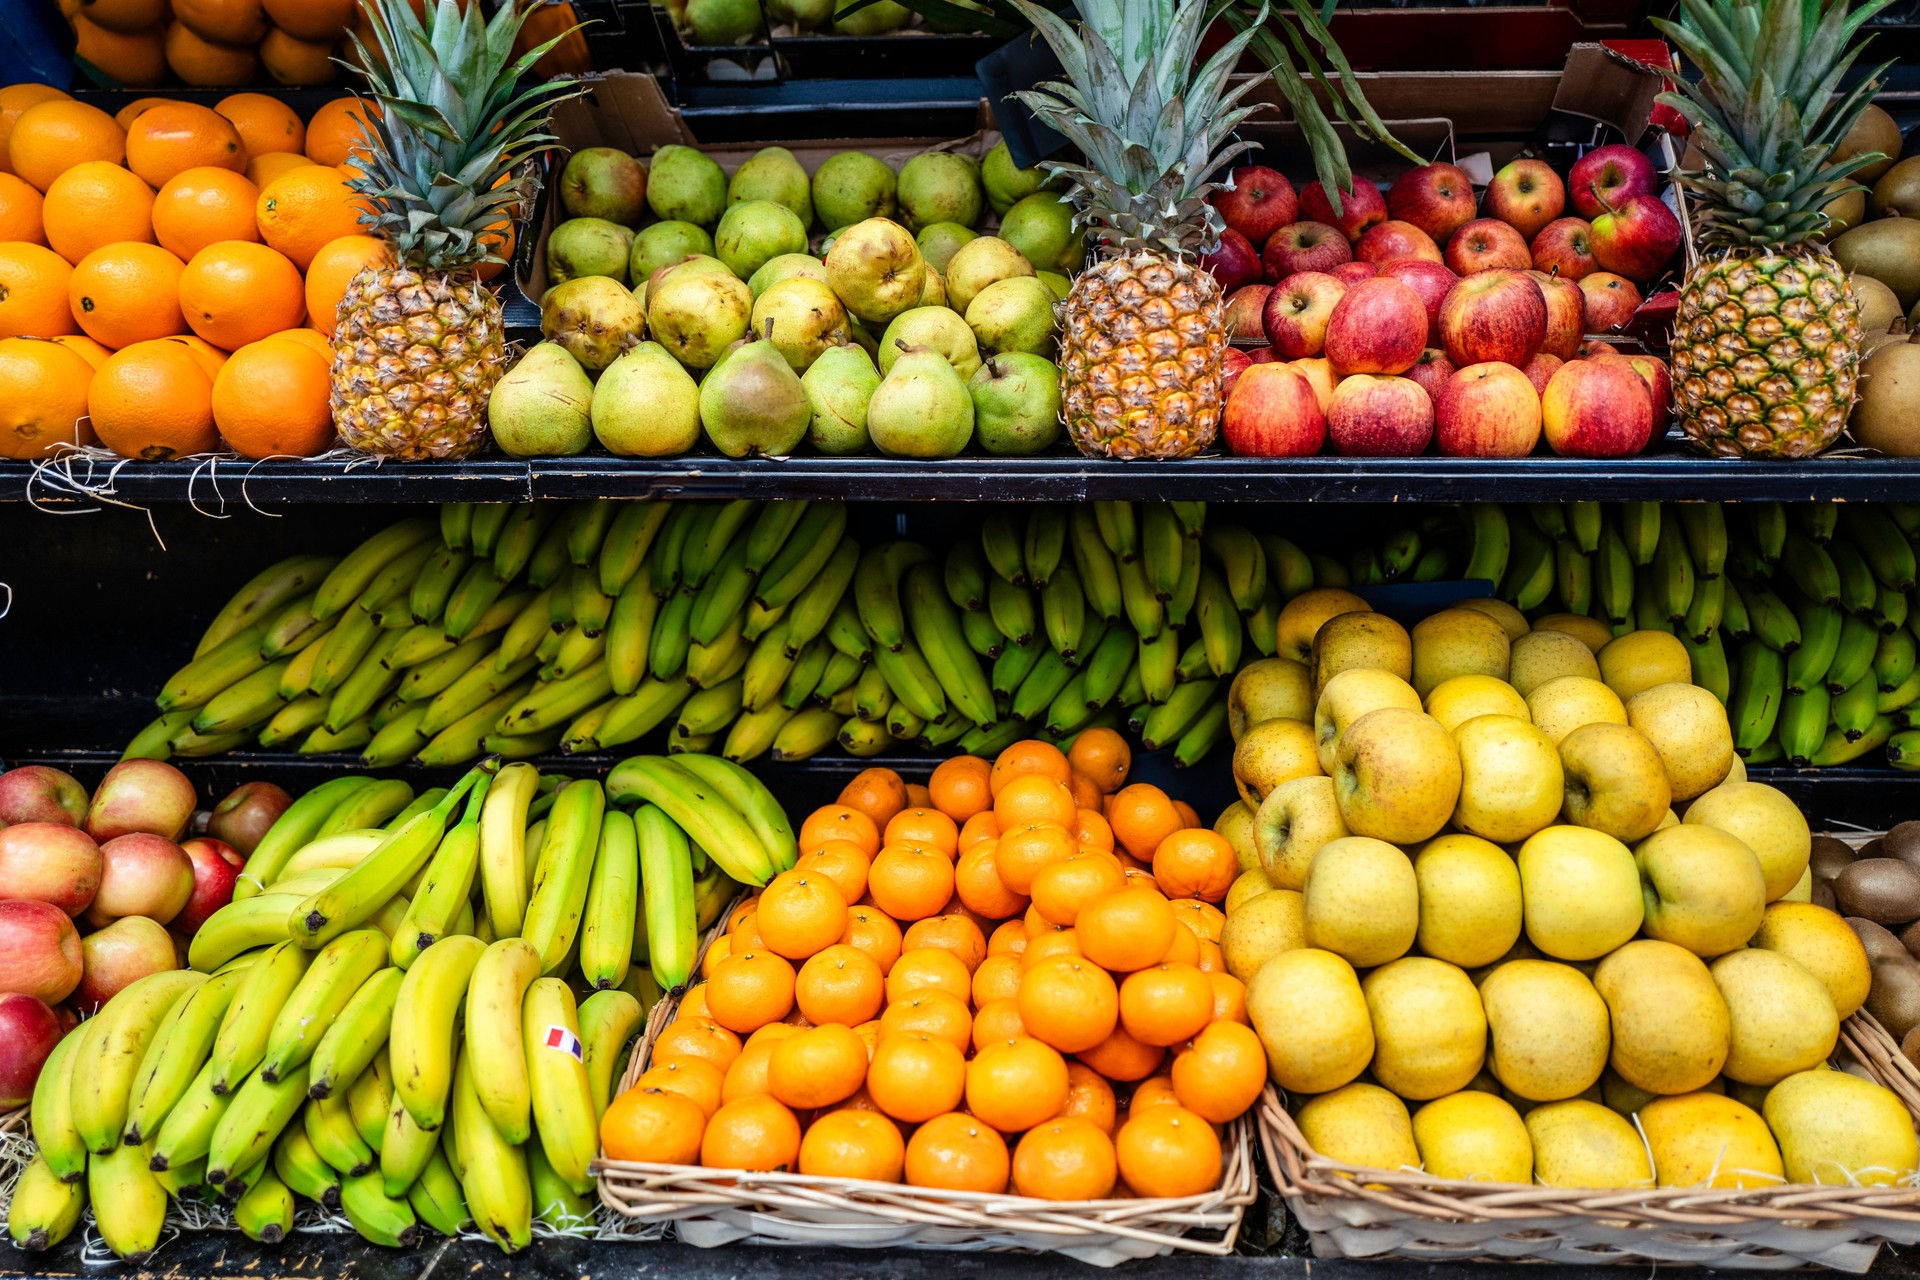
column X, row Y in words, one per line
column 1318, row 372
column 1431, row 280
column 1659, row 379
column 1526, row 195
column 1493, row 315
column 1385, row 242
column 1256, row 202
column 1611, row 300
column 1374, row 417
column 1437, row 198
column 49, row 862
column 1431, row 371
column 1599, row 346
column 120, row 955
column 1296, row 312
column 1304, row 246
column 1540, row 371
column 1564, row 247
column 1273, row 413
column 1378, row 326
column 28, row 1032
column 1636, row 238
column 1566, row 314
column 141, row 875
column 247, row 814
column 39, row 950
column 1486, row 244
column 1352, row 273
column 1487, row 411
column 36, row 793
column 1233, row 362
column 1609, row 175
column 216, row 869
column 141, row 795
column 1596, row 409
column 1359, row 209
column 1262, row 355
column 1244, row 306
column 1235, row 264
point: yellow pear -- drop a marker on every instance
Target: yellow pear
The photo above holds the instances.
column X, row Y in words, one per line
column 1350, row 695
column 1473, row 1136
column 1837, row 1128
column 1564, row 704
column 1292, row 823
column 1358, row 640
column 1780, row 1016
column 1670, row 1023
column 1540, row 656
column 1270, row 753
column 1312, row 1017
column 1709, row 1140
column 1767, row 822
column 1470, row 910
column 1268, row 689
column 1429, row 1031
column 1361, row 1124
column 1362, row 901
column 1260, row 930
column 1456, row 701
column 1547, row 1029
column 1510, row 779
column 1591, row 632
column 1580, row 1144
column 1824, row 946
column 1581, row 892
column 1642, row 659
column 1704, row 888
column 1458, row 642
column 1303, row 616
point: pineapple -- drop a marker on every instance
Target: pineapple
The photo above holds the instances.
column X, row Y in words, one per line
column 419, row 344
column 1144, row 328
column 1766, row 346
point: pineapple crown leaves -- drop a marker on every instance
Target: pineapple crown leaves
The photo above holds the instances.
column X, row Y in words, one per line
column 454, row 126
column 1767, row 113
column 1153, row 128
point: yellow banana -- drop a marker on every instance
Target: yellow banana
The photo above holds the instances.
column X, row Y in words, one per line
column 369, row 1098
column 563, row 1114
column 404, row 1150
column 52, row 1110
column 494, row 997
column 299, row 1166
column 613, row 900
column 186, row 1134
column 44, row 1210
column 238, row 927
column 292, row 832
column 421, row 1046
column 129, row 1204
column 608, row 1021
column 265, row 1211
column 503, row 852
column 260, row 1109
column 561, row 878
column 378, row 1217
column 328, row 1123
column 360, row 895
column 242, row 1040
column 176, row 1056
column 103, row 1084
column 666, row 879
column 336, row 975
column 695, row 807
column 494, row 1171
column 340, row 852
column 437, row 1199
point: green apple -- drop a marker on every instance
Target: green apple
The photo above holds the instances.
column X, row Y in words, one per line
column 1470, row 910
column 1429, row 1029
column 1670, row 1025
column 1540, row 656
column 1641, row 659
column 1294, row 822
column 1688, row 727
column 1350, row 695
column 1560, row 706
column 1363, row 901
column 1767, row 822
column 1547, row 1029
column 1456, row 701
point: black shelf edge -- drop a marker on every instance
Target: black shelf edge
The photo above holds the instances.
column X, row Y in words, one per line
column 216, row 483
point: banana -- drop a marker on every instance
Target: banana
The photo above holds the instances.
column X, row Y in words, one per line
column 461, row 741
column 1043, row 684
column 1530, row 568
column 864, row 738
column 630, row 533
column 436, row 1197
column 807, row 551
column 1158, row 662
column 1810, row 569
column 265, row 1212
column 216, row 670
column 1613, row 578
column 1160, row 549
column 51, row 1114
column 1768, row 524
column 428, row 679
column 1647, row 613
column 336, row 975
column 629, row 632
column 1067, row 712
column 498, row 1190
column 446, row 886
column 255, row 1115
column 176, row 1056
column 503, row 867
column 609, row 1020
column 1145, row 611
column 1879, row 540
column 639, row 712
column 1202, row 736
column 328, row 1124
column 421, row 1045
column 1220, row 630
column 1903, row 749
column 1734, row 623
column 1704, row 610
column 129, row 1204
column 1288, row 568
column 523, row 632
column 808, row 671
column 1640, row 524
column 556, row 1204
column 1491, row 544
column 293, row 629
column 550, row 562
column 1854, row 708
column 296, row 1163
column 1106, row 668
column 154, row 742
column 666, row 876
column 697, row 807
column 1172, row 718
column 938, row 633
column 1119, row 529
column 1895, row 658
column 564, row 1116
column 397, row 741
column 812, row 611
column 1820, row 628
column 1744, row 562
column 1818, row 520
column 484, row 525
column 1773, row 624
column 386, row 597
column 1550, row 519
column 1003, row 544
column 912, row 680
column 1011, row 668
column 361, row 893
column 342, row 650
column 1063, row 610
column 1673, row 571
column 809, row 732
column 241, row 1043
column 768, row 666
column 1243, row 562
column 379, row 1217
column 1890, row 610
column 590, row 605
column 1401, row 554
column 710, row 536
column 722, row 596
column 561, row 878
column 709, row 665
column 710, row 710
column 365, row 686
column 990, row 740
column 43, row 1210
column 876, row 590
column 1012, row 610
column 370, row 1098
column 965, row 574
column 351, row 577
column 1858, row 588
column 405, row 1150
column 669, row 643
column 526, row 525
column 471, row 598
column 103, row 1085
column 845, row 633
column 263, row 596
column 1853, row 655
column 337, row 853
column 1573, row 576
column 606, row 934
column 1045, row 543
column 187, row 1133
column 746, row 795
column 1803, row 723
column 1709, row 661
column 981, row 635
column 1192, row 517
column 1838, row 748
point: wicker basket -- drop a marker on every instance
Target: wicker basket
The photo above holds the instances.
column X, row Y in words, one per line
column 711, row 1207
column 1408, row 1214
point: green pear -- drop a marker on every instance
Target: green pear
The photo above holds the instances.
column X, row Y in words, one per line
column 588, row 247
column 1006, row 183
column 661, row 244
column 595, row 318
column 940, row 186
column 773, row 174
column 921, row 408
column 1013, row 315
column 850, row 187
column 876, row 270
column 939, row 241
column 696, row 314
column 876, row 19
column 1060, row 285
column 756, row 232
column 716, row 22
column 933, row 288
column 752, row 402
column 935, row 329
column 540, row 408
column 802, row 319
column 785, row 267
column 801, row 13
column 1041, row 227
column 684, row 185
column 1016, row 404
column 839, row 385
column 604, row 182
column 978, row 264
column 646, row 405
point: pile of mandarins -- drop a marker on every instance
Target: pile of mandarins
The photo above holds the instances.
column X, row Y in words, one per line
column 1010, row 981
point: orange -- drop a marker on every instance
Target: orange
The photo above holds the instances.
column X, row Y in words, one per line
column 1211, row 959
column 697, row 1038
column 872, row 931
column 1121, row 1057
column 694, row 1078
column 1229, row 998
column 719, row 949
column 21, row 211
column 96, row 204
column 1185, row 949
column 236, row 292
column 262, row 169
column 126, row 115
column 1090, row 1097
column 1203, row 918
column 653, row 1125
column 204, row 206
column 1166, row 1004
column 1195, row 863
column 746, row 935
column 43, row 397
column 302, row 210
column 1142, row 816
column 125, row 15
column 1010, row 939
column 266, row 125
column 754, row 1133
column 308, row 338
column 977, row 883
column 841, row 861
column 740, row 910
column 750, row 989
column 127, row 293
column 203, row 62
column 1127, row 929
column 917, row 1077
column 334, row 131
column 210, row 359
column 1222, row 1074
column 333, row 269
column 918, row 797
column 956, row 1152
column 978, row 829
column 1102, row 755
column 1027, row 848
column 800, row 913
column 818, row 1067
column 1067, row 1159
column 1030, row 798
column 1030, row 756
column 959, row 787
column 51, row 137
column 952, row 932
column 178, row 136
column 878, row 793
column 134, row 58
column 929, row 968
column 1085, row 792
column 841, row 984
column 839, row 822
column 1168, row 1151
column 997, row 978
column 293, row 61
column 747, row 1075
column 928, row 1011
column 1189, row 816
column 1045, row 946
column 910, row 883
column 153, row 401
column 1154, row 1091
column 1068, row 1003
column 224, row 21
column 312, row 19
column 1015, row 1084
column 923, row 829
column 1093, row 831
column 86, row 348
column 16, row 98
column 694, row 1003
column 853, row 1144
column 1066, row 885
column 861, row 1099
column 997, row 1022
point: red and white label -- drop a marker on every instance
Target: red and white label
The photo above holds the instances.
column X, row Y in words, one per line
column 565, row 1041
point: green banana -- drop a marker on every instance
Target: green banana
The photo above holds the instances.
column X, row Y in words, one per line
column 1768, row 524
column 1879, row 540
column 1810, row 569
column 359, row 895
column 1119, row 528
column 1673, row 573
column 1854, row 708
column 1161, row 537
column 484, row 526
column 1895, row 657
column 1613, row 577
column 812, row 611
column 1063, row 610
column 219, row 668
column 1820, row 628
column 807, row 551
column 1858, row 588
column 1491, row 543
column 1818, row 520
column 1704, row 610
column 937, row 630
column 810, row 731
column 1187, row 585
column 911, row 679
column 561, row 878
column 1640, row 530
column 965, row 575
column 1243, row 562
column 437, row 1199
column 1044, row 545
column 723, row 833
column 1220, row 629
column 1853, row 655
column 1013, row 611
column 609, row 1020
column 1709, row 661
column 356, row 571
column 1803, row 723
column 630, row 534
column 1773, row 623
column 607, row 929
column 294, row 629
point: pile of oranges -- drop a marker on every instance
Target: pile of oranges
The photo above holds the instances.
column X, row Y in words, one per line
column 1009, row 979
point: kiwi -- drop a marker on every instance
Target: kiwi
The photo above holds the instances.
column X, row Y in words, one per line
column 1887, row 414
column 1897, row 190
column 1883, row 890
column 1903, row 842
column 1821, row 895
column 1895, row 998
column 1879, row 307
column 1875, row 130
column 1910, row 1045
column 1888, row 249
column 1830, row 857
column 1843, row 213
column 1878, row 942
column 1910, row 939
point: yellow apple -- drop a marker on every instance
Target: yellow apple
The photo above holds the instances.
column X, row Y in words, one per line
column 1563, row 705
column 1642, row 659
column 1347, row 697
column 1456, row 701
column 1458, row 642
column 1397, row 776
column 1510, row 779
